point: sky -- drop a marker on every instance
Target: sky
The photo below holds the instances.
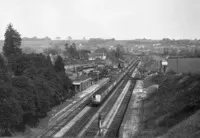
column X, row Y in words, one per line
column 119, row 19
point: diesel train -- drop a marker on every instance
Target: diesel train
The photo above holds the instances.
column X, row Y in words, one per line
column 96, row 99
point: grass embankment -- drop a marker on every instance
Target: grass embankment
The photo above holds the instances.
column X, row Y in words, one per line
column 176, row 99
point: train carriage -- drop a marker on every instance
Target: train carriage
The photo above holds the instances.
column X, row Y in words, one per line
column 96, row 99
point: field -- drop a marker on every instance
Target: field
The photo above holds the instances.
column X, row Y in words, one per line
column 185, row 65
column 38, row 45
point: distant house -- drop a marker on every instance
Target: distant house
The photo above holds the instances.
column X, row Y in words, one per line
column 111, row 47
column 94, row 56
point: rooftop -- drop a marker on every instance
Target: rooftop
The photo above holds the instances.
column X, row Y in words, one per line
column 81, row 79
column 97, row 54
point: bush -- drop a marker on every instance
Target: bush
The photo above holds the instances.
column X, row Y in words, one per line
column 176, row 99
column 33, row 90
column 171, row 72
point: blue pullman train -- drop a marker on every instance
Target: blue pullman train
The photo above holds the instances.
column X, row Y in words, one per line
column 96, row 99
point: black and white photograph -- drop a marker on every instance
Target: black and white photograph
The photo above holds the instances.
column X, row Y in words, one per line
column 100, row 68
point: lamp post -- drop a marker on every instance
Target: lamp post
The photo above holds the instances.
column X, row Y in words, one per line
column 164, row 65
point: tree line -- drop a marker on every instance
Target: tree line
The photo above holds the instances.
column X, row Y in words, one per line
column 30, row 85
column 70, row 51
column 183, row 52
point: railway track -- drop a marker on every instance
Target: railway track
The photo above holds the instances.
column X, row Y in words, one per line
column 113, row 130
column 79, row 127
column 88, row 116
column 73, row 112
column 70, row 115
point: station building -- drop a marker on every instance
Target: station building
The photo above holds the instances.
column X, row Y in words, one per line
column 81, row 83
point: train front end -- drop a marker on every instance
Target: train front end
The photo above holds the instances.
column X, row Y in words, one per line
column 96, row 99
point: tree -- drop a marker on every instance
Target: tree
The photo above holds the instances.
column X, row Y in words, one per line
column 71, row 50
column 119, row 51
column 2, row 62
column 58, row 38
column 93, row 75
column 4, row 77
column 36, row 87
column 25, row 94
column 11, row 112
column 103, row 72
column 20, row 63
column 83, row 54
column 55, row 50
column 12, row 42
column 59, row 65
column 28, row 50
column 69, row 38
column 101, row 50
column 166, row 51
column 66, row 46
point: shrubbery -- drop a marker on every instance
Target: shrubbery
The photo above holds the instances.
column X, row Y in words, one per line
column 30, row 85
column 176, row 99
column 34, row 88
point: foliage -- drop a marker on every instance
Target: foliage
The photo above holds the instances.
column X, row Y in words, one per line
column 2, row 62
column 59, row 65
column 11, row 112
column 101, row 50
column 93, row 75
column 12, row 42
column 103, row 73
column 52, row 50
column 119, row 51
column 4, row 77
column 31, row 86
column 24, row 92
column 19, row 63
column 37, row 87
column 176, row 99
column 71, row 51
column 83, row 54
column 28, row 50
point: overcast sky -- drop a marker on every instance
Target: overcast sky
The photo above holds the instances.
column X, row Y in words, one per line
column 119, row 19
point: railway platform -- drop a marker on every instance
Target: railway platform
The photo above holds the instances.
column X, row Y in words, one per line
column 76, row 99
column 131, row 121
column 70, row 120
